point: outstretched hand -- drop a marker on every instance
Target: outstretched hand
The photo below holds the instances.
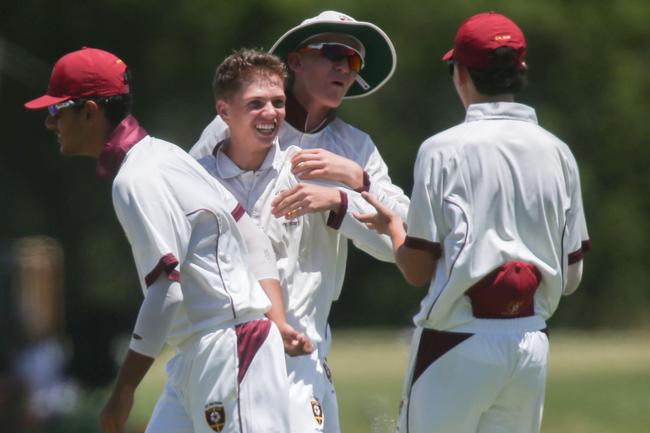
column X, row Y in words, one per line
column 322, row 164
column 295, row 343
column 380, row 221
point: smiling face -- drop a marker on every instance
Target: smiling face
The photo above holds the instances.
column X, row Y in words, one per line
column 255, row 112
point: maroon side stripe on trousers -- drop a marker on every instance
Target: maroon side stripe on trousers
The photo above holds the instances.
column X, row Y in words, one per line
column 250, row 337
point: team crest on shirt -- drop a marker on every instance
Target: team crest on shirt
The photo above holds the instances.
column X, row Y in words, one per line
column 317, row 410
column 215, row 415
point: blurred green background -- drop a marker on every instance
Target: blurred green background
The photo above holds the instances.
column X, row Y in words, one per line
column 589, row 81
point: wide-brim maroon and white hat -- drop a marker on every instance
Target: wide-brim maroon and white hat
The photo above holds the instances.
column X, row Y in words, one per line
column 380, row 58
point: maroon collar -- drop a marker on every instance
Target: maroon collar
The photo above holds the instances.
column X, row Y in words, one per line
column 297, row 115
column 123, row 138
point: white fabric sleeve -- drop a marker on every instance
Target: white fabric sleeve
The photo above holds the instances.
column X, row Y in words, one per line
column 367, row 240
column 381, row 185
column 576, row 239
column 263, row 260
column 573, row 277
column 215, row 132
column 161, row 301
column 426, row 202
column 154, row 224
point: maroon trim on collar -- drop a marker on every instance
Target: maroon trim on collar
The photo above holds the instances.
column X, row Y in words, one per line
column 297, row 115
column 123, row 138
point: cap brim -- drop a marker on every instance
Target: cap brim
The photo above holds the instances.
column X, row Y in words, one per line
column 45, row 101
column 380, row 56
column 448, row 55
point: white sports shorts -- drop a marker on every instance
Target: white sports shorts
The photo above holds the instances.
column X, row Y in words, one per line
column 232, row 380
column 475, row 383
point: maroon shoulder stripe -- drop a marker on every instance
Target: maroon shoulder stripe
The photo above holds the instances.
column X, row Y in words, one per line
column 167, row 263
column 238, row 212
column 423, row 244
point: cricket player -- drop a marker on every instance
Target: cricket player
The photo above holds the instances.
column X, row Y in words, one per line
column 330, row 57
column 187, row 236
column 250, row 99
column 496, row 224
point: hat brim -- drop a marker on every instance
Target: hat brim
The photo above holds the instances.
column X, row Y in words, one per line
column 45, row 101
column 449, row 55
column 380, row 59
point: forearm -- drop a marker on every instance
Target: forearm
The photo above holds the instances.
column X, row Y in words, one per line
column 134, row 368
column 275, row 294
column 417, row 266
column 262, row 257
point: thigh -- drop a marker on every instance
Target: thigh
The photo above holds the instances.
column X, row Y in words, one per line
column 263, row 386
column 209, row 385
column 520, row 405
column 312, row 398
column 450, row 393
column 169, row 415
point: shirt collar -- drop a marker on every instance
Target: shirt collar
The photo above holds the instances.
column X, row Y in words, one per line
column 500, row 110
column 122, row 139
column 227, row 169
column 297, row 115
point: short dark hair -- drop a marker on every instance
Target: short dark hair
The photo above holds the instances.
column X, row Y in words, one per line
column 241, row 66
column 116, row 108
column 503, row 76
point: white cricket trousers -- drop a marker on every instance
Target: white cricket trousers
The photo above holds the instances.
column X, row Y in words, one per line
column 475, row 383
column 232, row 380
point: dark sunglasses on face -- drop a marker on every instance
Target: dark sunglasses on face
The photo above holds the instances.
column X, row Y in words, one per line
column 336, row 52
column 55, row 108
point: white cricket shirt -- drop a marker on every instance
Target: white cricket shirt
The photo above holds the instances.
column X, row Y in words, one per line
column 181, row 222
column 494, row 189
column 311, row 249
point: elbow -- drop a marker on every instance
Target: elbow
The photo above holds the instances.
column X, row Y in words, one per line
column 416, row 278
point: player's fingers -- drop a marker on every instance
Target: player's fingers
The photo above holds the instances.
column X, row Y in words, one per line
column 365, row 217
column 284, row 201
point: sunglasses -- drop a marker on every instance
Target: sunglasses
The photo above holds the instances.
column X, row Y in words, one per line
column 55, row 108
column 336, row 52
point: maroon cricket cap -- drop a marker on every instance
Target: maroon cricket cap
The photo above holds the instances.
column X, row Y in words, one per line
column 480, row 35
column 86, row 73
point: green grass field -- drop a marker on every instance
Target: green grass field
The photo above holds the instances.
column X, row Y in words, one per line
column 598, row 382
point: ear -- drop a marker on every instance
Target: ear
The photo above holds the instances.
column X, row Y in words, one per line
column 294, row 61
column 91, row 109
column 223, row 110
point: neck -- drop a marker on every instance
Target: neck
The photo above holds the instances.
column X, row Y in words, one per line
column 246, row 158
column 316, row 111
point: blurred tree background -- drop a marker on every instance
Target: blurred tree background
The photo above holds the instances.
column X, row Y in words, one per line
column 589, row 80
